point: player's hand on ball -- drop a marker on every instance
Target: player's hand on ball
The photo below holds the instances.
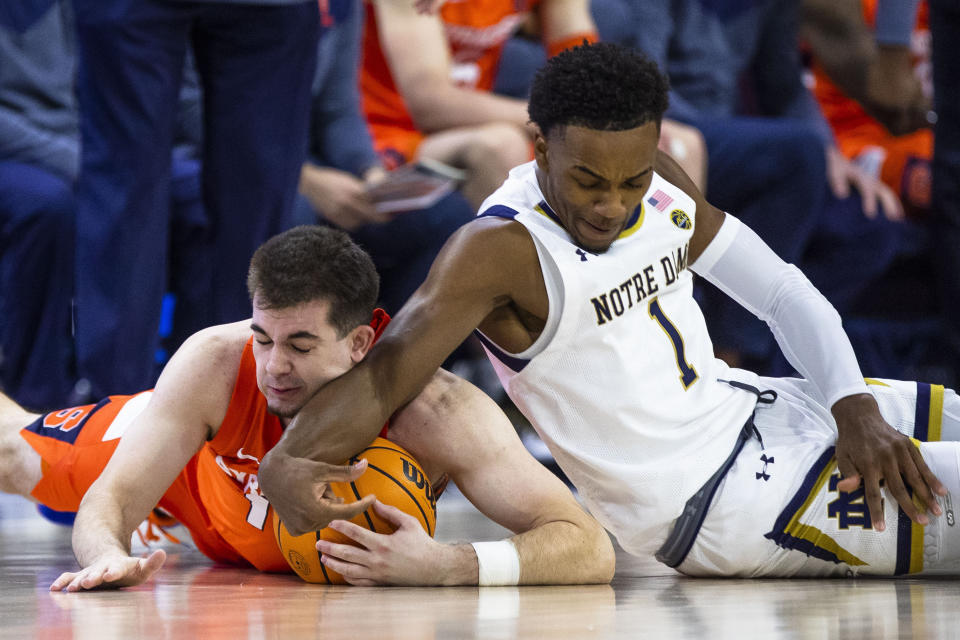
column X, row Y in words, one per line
column 304, row 502
column 111, row 572
column 870, row 450
column 408, row 556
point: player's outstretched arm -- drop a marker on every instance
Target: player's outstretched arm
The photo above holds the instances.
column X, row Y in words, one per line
column 455, row 428
column 485, row 265
column 191, row 395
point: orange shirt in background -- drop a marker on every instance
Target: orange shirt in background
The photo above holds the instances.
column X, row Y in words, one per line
column 476, row 32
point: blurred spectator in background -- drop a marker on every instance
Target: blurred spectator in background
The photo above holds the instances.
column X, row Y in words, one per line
column 891, row 142
column 426, row 82
column 255, row 61
column 875, row 87
column 342, row 164
column 38, row 164
column 39, row 155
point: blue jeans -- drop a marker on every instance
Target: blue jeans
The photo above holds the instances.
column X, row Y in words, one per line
column 36, row 285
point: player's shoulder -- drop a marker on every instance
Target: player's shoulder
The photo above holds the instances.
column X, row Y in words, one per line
column 208, row 361
column 219, row 346
column 670, row 170
column 197, row 383
column 491, row 245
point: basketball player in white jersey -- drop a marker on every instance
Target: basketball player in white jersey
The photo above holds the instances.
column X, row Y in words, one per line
column 578, row 277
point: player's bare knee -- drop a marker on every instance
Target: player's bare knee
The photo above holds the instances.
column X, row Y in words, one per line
column 20, row 467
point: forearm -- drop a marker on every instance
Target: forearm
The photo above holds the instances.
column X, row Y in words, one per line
column 103, row 527
column 438, row 106
column 345, row 144
column 558, row 552
column 806, row 326
column 341, row 419
column 565, row 552
column 840, row 41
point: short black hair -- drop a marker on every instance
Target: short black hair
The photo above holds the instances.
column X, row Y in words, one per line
column 315, row 262
column 601, row 86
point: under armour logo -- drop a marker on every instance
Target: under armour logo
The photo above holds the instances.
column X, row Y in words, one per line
column 763, row 474
column 583, row 256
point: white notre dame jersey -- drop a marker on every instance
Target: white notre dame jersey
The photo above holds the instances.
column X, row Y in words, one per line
column 622, row 385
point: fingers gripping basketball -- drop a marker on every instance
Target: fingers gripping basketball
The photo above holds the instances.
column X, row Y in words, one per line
column 395, row 477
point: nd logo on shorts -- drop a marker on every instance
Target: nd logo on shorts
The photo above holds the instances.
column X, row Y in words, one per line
column 680, row 219
column 826, row 523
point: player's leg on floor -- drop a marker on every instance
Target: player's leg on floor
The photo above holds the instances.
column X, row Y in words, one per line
column 20, row 465
column 780, row 511
column 940, row 539
column 950, row 412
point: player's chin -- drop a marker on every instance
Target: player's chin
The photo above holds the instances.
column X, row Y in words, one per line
column 595, row 247
column 285, row 408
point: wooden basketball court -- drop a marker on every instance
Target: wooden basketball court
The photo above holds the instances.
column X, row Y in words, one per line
column 193, row 599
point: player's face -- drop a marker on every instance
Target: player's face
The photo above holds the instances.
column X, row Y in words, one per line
column 297, row 351
column 594, row 180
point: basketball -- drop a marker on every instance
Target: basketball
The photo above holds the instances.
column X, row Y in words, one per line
column 395, row 477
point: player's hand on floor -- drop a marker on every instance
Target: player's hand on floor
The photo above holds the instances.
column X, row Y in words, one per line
column 870, row 450
column 111, row 573
column 305, row 502
column 408, row 556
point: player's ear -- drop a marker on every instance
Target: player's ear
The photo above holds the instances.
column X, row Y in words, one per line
column 361, row 339
column 540, row 149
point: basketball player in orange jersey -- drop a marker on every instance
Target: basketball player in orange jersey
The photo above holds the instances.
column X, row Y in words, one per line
column 894, row 145
column 193, row 444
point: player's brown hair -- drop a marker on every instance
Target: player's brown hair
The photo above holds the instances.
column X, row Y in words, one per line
column 314, row 262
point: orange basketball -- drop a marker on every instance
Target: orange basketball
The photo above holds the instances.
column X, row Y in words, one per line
column 395, row 477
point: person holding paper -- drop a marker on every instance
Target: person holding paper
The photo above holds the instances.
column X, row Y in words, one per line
column 342, row 168
column 427, row 81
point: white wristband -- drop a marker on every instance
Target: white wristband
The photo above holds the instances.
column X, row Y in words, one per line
column 499, row 563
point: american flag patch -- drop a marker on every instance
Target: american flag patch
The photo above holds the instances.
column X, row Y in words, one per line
column 659, row 200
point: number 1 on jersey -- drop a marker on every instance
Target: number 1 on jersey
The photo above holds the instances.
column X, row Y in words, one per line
column 688, row 375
